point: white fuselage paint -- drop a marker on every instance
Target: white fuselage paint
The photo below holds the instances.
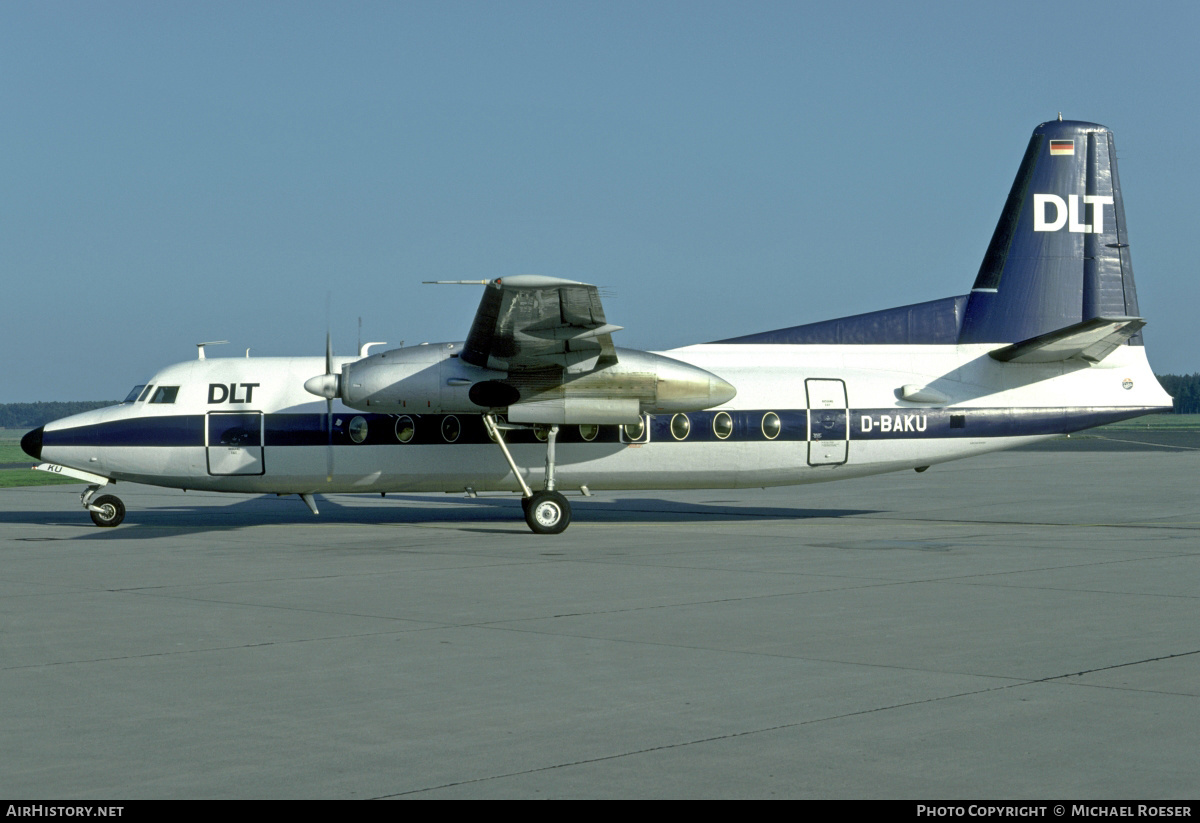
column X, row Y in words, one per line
column 767, row 377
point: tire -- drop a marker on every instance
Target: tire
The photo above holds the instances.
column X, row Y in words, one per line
column 547, row 513
column 112, row 511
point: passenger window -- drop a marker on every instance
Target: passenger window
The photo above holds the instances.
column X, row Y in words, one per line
column 680, row 426
column 771, row 425
column 165, row 394
column 723, row 425
column 405, row 429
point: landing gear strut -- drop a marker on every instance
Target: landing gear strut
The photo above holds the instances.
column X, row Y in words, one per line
column 546, row 511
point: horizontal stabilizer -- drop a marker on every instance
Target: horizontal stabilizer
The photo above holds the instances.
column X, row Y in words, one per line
column 1091, row 341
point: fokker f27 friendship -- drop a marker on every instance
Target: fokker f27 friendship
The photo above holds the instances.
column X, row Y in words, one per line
column 538, row 399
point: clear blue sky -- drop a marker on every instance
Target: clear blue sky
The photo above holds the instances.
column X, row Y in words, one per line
column 178, row 172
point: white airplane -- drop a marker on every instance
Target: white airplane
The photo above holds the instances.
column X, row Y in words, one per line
column 537, row 399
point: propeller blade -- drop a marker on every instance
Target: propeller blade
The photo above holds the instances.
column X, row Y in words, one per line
column 325, row 385
column 329, row 407
column 329, row 440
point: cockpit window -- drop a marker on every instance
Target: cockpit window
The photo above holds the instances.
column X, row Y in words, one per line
column 165, row 394
column 133, row 395
column 145, row 392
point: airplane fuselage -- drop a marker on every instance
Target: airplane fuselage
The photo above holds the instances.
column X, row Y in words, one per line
column 803, row 413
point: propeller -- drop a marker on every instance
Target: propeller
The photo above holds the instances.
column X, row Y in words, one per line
column 329, row 408
column 326, row 385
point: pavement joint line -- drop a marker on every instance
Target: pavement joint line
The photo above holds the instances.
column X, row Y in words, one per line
column 1019, row 681
column 768, row 729
column 885, row 580
column 1010, row 524
column 1143, row 443
column 697, row 741
column 1090, row 591
column 209, row 649
column 1140, row 558
column 1118, row 666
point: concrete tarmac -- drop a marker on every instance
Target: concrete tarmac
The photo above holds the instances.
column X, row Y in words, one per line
column 1021, row 625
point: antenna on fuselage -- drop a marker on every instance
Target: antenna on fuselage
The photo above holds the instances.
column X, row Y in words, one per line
column 201, row 346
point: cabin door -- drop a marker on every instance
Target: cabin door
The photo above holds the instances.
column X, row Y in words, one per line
column 234, row 441
column 828, row 414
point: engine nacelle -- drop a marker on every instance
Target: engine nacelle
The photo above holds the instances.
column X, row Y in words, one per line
column 432, row 379
column 428, row 379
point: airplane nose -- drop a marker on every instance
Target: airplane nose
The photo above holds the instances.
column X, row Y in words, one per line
column 31, row 443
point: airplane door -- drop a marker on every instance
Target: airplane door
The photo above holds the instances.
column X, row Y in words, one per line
column 828, row 413
column 234, row 443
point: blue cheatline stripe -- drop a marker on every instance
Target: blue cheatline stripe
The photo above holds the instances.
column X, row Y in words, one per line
column 173, row 430
column 747, row 426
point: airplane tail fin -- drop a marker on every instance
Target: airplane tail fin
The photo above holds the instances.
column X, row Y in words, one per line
column 1059, row 257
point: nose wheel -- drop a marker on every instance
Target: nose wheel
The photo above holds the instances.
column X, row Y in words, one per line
column 107, row 510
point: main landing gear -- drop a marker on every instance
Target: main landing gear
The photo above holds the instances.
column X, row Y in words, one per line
column 546, row 511
column 106, row 510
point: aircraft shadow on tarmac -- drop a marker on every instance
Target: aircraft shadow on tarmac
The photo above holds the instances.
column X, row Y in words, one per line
column 494, row 514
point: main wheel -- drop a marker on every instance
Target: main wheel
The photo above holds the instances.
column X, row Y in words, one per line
column 112, row 511
column 547, row 513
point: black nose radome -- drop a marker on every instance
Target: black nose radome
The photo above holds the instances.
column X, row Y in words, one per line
column 31, row 443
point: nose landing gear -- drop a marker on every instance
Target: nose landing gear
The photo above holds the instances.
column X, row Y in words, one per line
column 107, row 510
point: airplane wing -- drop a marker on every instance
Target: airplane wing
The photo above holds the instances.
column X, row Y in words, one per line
column 528, row 321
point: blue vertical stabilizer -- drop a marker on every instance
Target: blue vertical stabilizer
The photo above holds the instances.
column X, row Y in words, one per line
column 1060, row 254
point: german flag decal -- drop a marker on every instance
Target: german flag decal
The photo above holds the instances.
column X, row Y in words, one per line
column 1062, row 147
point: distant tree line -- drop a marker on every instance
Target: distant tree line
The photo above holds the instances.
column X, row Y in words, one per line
column 1185, row 388
column 32, row 415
